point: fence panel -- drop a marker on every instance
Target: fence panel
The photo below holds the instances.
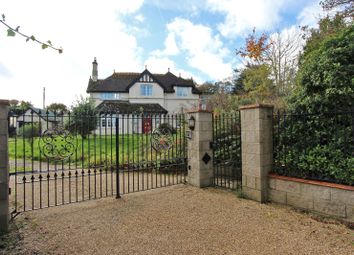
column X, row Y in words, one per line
column 58, row 159
column 315, row 146
column 227, row 150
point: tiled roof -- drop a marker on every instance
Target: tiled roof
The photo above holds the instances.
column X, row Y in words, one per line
column 121, row 82
column 126, row 107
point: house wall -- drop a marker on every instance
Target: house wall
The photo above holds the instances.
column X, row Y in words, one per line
column 97, row 97
column 169, row 101
column 326, row 198
column 130, row 124
column 157, row 91
column 28, row 118
column 175, row 104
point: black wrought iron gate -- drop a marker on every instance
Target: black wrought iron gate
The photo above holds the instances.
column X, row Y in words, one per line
column 58, row 159
column 227, row 150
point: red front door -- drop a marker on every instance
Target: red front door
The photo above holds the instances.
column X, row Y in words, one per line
column 147, row 125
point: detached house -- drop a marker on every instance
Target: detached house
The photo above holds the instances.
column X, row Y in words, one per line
column 141, row 93
column 172, row 93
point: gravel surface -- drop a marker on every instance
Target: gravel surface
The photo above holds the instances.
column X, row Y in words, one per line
column 178, row 220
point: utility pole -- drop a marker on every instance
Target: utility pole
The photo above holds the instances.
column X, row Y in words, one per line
column 43, row 98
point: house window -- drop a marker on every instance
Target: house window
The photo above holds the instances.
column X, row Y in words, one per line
column 110, row 96
column 145, row 90
column 108, row 122
column 181, row 91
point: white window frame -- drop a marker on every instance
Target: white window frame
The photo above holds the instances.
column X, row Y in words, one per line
column 181, row 91
column 146, row 90
column 109, row 96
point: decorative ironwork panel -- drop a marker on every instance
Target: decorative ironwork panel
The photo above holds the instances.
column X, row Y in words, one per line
column 57, row 144
column 162, row 139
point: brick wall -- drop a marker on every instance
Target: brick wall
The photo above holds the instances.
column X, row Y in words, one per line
column 325, row 198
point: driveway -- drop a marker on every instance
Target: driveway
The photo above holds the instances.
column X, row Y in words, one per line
column 177, row 220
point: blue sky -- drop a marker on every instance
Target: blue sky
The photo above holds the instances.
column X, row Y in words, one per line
column 196, row 38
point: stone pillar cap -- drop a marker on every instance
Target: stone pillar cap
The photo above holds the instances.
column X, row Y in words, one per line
column 196, row 111
column 4, row 102
column 254, row 106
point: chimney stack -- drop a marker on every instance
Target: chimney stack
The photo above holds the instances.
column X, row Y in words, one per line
column 94, row 70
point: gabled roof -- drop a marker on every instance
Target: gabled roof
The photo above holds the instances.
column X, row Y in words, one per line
column 44, row 114
column 121, row 82
column 125, row 107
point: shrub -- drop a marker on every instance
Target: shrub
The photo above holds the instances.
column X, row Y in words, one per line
column 29, row 130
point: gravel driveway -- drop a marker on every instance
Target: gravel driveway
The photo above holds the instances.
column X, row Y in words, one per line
column 178, row 220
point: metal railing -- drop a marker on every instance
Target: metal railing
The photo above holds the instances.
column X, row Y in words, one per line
column 315, row 146
column 57, row 159
column 227, row 150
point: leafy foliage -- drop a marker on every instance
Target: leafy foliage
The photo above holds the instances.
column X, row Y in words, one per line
column 255, row 48
column 57, row 107
column 317, row 146
column 83, row 119
column 311, row 143
column 11, row 32
column 326, row 75
column 29, row 132
column 18, row 107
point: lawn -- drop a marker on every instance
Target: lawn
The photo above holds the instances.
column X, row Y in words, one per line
column 94, row 151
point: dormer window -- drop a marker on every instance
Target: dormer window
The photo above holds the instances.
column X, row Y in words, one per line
column 181, row 91
column 146, row 90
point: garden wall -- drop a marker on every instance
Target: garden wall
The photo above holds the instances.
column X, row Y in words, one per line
column 322, row 197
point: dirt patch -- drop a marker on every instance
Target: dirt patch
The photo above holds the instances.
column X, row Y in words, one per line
column 178, row 220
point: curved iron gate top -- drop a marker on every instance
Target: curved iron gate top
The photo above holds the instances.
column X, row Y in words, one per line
column 61, row 159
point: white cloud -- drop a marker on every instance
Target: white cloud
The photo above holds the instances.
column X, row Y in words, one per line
column 205, row 51
column 161, row 64
column 140, row 17
column 242, row 16
column 84, row 29
column 171, row 48
column 310, row 15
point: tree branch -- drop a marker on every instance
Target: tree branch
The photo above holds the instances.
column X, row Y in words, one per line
column 13, row 31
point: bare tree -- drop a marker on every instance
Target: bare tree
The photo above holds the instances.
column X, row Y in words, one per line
column 346, row 6
column 282, row 57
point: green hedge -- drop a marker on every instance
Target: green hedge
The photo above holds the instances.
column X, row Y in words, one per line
column 319, row 147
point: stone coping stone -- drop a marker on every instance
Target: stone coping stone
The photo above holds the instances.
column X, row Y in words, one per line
column 255, row 106
column 313, row 182
column 4, row 102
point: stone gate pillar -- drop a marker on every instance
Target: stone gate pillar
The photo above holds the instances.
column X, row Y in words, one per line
column 4, row 166
column 257, row 149
column 200, row 154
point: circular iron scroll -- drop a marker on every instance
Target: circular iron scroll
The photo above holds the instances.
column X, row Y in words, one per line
column 162, row 139
column 57, row 144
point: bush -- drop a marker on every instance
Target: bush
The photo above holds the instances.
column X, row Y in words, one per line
column 29, row 131
column 166, row 127
column 316, row 147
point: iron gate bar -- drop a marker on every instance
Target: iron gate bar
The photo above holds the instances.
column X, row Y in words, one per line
column 117, row 158
column 227, row 150
column 88, row 172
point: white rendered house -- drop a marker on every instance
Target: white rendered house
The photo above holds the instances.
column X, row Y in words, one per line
column 141, row 93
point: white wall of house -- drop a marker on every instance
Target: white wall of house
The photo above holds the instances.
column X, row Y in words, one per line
column 28, row 118
column 176, row 102
column 172, row 102
column 131, row 124
column 100, row 96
